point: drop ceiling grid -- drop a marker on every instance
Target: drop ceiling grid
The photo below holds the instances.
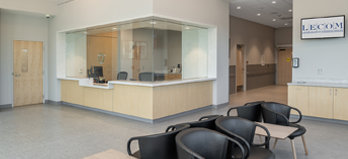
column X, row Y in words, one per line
column 250, row 9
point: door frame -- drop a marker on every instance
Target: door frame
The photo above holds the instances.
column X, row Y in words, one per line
column 285, row 46
column 44, row 67
column 245, row 70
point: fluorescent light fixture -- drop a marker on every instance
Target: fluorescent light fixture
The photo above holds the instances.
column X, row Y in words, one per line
column 290, row 10
column 274, row 20
column 274, row 2
column 258, row 14
column 239, row 7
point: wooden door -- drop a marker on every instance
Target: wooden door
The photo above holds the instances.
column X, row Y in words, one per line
column 284, row 66
column 240, row 66
column 28, row 72
column 136, row 63
column 298, row 98
column 321, row 102
column 340, row 105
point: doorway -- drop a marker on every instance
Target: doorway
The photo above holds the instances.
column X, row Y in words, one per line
column 240, row 69
column 27, row 72
column 284, row 66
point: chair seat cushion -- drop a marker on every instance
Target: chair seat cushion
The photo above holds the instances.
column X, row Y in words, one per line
column 300, row 131
column 255, row 153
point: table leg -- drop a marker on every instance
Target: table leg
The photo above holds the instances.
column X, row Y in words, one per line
column 293, row 148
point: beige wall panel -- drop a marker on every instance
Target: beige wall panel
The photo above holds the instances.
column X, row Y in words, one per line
column 321, row 102
column 298, row 97
column 341, row 104
column 169, row 100
column 133, row 100
column 71, row 92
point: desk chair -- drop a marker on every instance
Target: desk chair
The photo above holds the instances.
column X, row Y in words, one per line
column 146, row 76
column 122, row 75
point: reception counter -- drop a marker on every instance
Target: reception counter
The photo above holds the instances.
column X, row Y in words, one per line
column 142, row 100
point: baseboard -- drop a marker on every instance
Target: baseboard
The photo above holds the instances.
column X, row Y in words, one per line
column 52, row 102
column 6, row 106
column 181, row 114
column 221, row 105
column 322, row 119
column 108, row 112
column 139, row 118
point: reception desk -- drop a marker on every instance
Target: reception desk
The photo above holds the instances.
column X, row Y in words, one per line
column 143, row 100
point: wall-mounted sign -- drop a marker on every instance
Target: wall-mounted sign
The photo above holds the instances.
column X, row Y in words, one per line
column 288, row 59
column 326, row 27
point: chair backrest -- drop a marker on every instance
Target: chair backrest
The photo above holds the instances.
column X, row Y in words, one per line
column 158, row 146
column 203, row 143
column 270, row 117
column 208, row 122
column 251, row 111
column 122, row 75
column 239, row 126
column 146, row 76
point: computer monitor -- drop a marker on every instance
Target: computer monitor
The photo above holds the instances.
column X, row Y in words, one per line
column 98, row 70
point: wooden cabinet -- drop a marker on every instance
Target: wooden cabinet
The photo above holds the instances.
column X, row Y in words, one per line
column 298, row 98
column 341, row 104
column 321, row 102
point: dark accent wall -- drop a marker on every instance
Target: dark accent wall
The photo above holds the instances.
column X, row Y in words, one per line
column 260, row 76
column 232, row 79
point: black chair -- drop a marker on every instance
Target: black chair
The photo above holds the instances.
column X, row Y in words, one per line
column 202, row 143
column 276, row 113
column 243, row 131
column 204, row 122
column 122, row 75
column 157, row 146
column 146, row 76
column 251, row 111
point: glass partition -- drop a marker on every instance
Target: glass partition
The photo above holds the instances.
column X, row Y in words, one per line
column 146, row 51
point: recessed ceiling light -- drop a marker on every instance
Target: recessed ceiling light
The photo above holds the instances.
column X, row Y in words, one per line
column 274, row 20
column 286, row 23
column 239, row 7
column 114, row 28
column 152, row 22
column 187, row 27
column 274, row 2
column 258, row 14
column 290, row 10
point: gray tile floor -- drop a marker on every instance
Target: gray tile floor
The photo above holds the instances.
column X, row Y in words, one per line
column 57, row 131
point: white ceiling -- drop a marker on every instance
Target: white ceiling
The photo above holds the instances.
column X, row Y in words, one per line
column 269, row 11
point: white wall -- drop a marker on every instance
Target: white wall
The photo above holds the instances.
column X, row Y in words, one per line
column 34, row 6
column 209, row 12
column 329, row 55
column 19, row 27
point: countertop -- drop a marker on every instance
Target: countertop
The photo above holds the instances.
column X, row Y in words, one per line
column 319, row 84
column 89, row 83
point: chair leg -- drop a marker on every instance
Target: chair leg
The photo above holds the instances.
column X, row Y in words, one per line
column 275, row 142
column 304, row 144
column 260, row 138
column 293, row 148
